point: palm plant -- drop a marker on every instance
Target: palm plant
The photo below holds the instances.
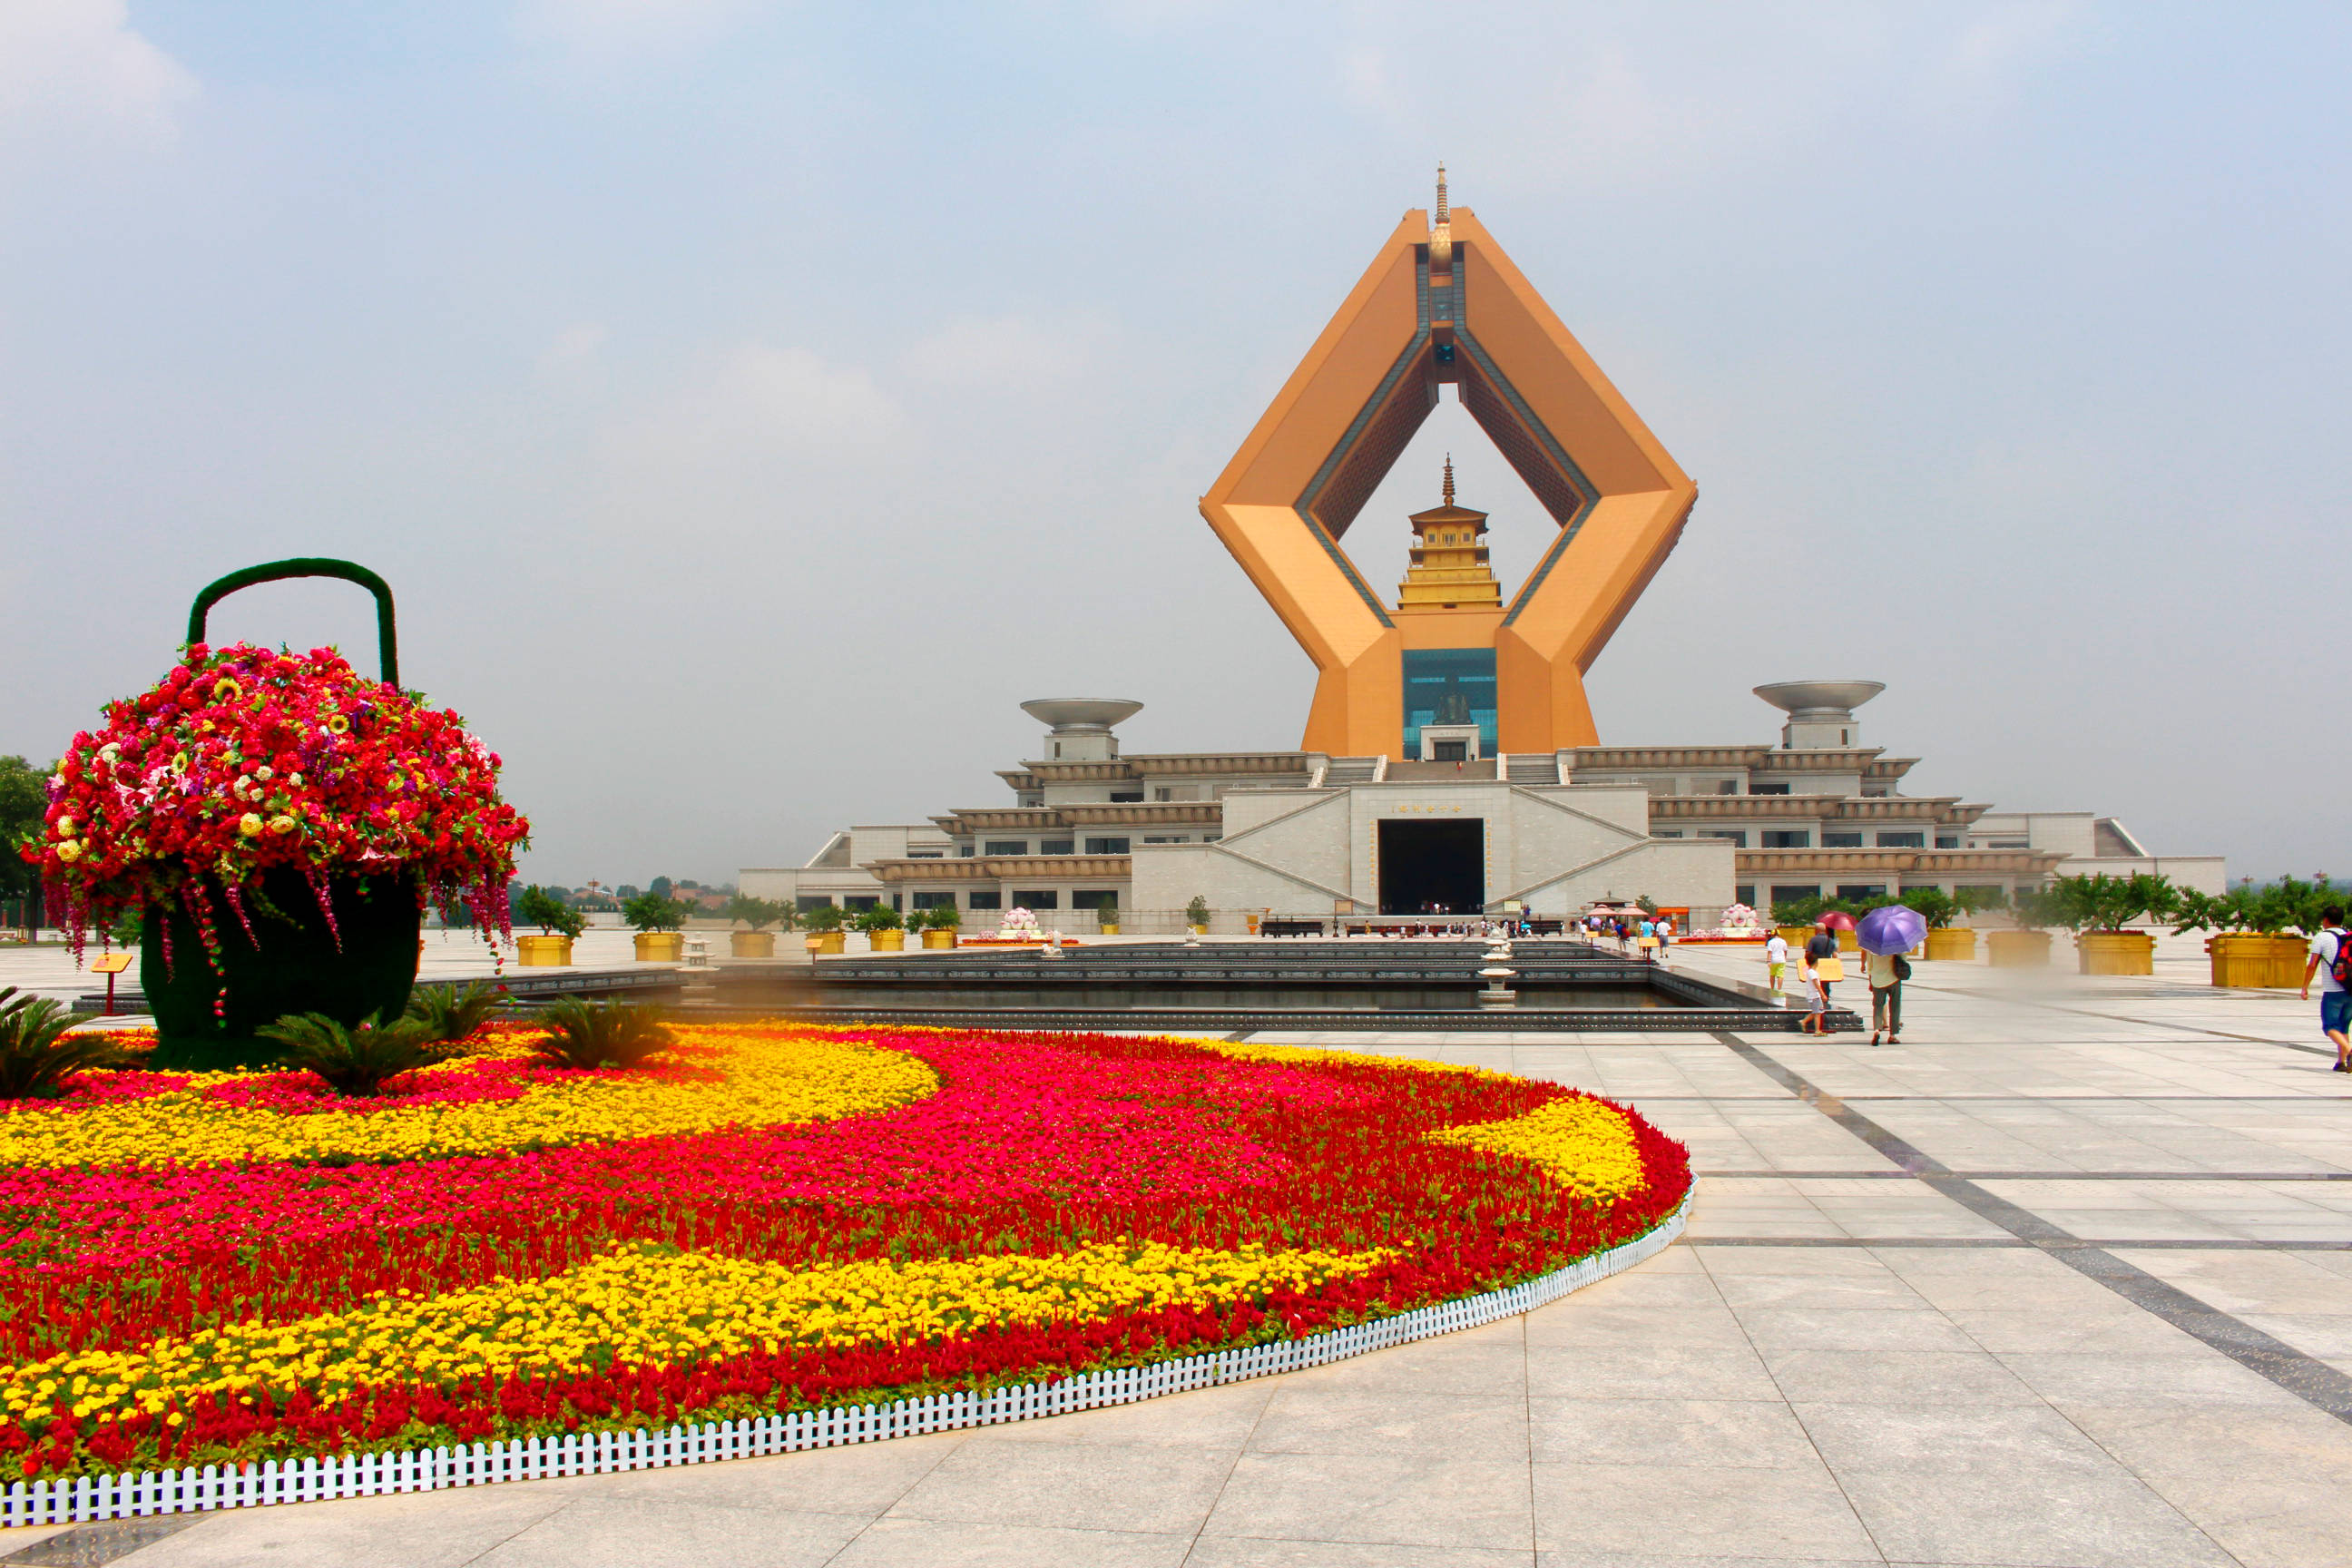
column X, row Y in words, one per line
column 37, row 1054
column 451, row 1013
column 356, row 1062
column 584, row 1034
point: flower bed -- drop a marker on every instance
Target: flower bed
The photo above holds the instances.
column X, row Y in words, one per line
column 208, row 1267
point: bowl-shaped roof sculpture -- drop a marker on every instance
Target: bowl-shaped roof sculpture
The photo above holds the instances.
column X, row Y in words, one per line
column 1804, row 699
column 1067, row 713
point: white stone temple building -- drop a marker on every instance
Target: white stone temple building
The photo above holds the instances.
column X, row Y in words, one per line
column 1456, row 831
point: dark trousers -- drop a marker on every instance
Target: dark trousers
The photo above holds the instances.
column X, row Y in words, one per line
column 1886, row 1008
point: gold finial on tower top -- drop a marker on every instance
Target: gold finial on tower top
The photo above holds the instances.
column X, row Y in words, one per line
column 1449, row 479
column 1441, row 231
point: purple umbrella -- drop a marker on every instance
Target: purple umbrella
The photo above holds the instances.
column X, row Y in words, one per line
column 1892, row 929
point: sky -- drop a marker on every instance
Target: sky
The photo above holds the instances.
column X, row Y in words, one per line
column 752, row 404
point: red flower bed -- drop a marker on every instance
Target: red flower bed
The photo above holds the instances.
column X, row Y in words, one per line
column 1009, row 1159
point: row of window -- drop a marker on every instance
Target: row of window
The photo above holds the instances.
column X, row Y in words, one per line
column 1802, row 838
column 1785, row 893
column 979, row 899
column 1069, row 846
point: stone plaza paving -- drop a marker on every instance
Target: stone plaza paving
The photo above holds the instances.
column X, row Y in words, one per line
column 2065, row 1278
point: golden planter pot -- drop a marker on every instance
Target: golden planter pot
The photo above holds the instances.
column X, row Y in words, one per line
column 1953, row 942
column 660, row 946
column 544, row 951
column 752, row 943
column 821, row 941
column 1795, row 936
column 886, row 940
column 1111, row 928
column 2018, row 949
column 2288, row 954
column 2116, row 952
column 940, row 936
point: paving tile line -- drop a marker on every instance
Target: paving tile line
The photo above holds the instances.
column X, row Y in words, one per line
column 2306, row 1377
column 2121, row 1018
column 2035, row 1175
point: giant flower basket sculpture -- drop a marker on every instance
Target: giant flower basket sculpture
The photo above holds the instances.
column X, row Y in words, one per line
column 277, row 824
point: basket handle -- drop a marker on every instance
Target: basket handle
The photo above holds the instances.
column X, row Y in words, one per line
column 387, row 644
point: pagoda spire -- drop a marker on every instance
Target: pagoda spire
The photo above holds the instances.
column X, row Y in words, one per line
column 1441, row 231
column 1449, row 479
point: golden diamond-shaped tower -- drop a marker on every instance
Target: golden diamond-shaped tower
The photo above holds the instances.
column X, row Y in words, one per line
column 1441, row 304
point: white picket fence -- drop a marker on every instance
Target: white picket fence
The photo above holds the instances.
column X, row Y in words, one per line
column 130, row 1495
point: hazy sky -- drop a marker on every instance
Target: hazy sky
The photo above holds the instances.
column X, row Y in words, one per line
column 751, row 403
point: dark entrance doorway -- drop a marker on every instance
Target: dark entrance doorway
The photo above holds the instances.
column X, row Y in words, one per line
column 1433, row 868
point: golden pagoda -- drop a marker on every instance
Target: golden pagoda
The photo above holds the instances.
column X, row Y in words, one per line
column 1449, row 570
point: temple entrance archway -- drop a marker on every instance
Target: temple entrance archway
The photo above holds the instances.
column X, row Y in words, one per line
column 1433, row 867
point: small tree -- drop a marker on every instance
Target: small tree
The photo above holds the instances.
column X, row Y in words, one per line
column 1933, row 905
column 551, row 914
column 939, row 916
column 759, row 913
column 2104, row 903
column 822, row 918
column 1197, row 911
column 1107, row 914
column 1647, row 904
column 653, row 911
column 881, row 916
column 1980, row 900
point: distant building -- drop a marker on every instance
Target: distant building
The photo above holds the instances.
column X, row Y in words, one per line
column 1458, row 829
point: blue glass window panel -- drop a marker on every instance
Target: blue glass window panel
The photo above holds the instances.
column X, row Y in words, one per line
column 1449, row 686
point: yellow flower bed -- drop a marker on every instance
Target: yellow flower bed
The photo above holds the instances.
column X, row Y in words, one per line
column 646, row 1307
column 1584, row 1143
column 767, row 1078
column 1316, row 1055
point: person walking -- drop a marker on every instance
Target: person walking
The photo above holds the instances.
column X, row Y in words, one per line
column 1887, row 972
column 2327, row 953
column 1822, row 969
column 1776, row 962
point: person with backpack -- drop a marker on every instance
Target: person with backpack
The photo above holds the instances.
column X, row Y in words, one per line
column 2331, row 960
column 1887, row 972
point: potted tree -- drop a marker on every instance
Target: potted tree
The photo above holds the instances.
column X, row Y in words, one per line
column 1939, row 910
column 1196, row 915
column 1106, row 917
column 759, row 914
column 2098, row 908
column 2027, row 944
column 883, row 928
column 2256, row 939
column 656, row 919
column 940, row 923
column 559, row 927
column 823, row 925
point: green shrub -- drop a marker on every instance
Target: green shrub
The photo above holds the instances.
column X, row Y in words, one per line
column 357, row 1062
column 824, row 917
column 1980, row 901
column 759, row 913
column 451, row 1013
column 36, row 1054
column 1197, row 911
column 551, row 914
column 2109, row 903
column 881, row 916
column 654, row 912
column 584, row 1034
column 1107, row 914
column 1934, row 905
